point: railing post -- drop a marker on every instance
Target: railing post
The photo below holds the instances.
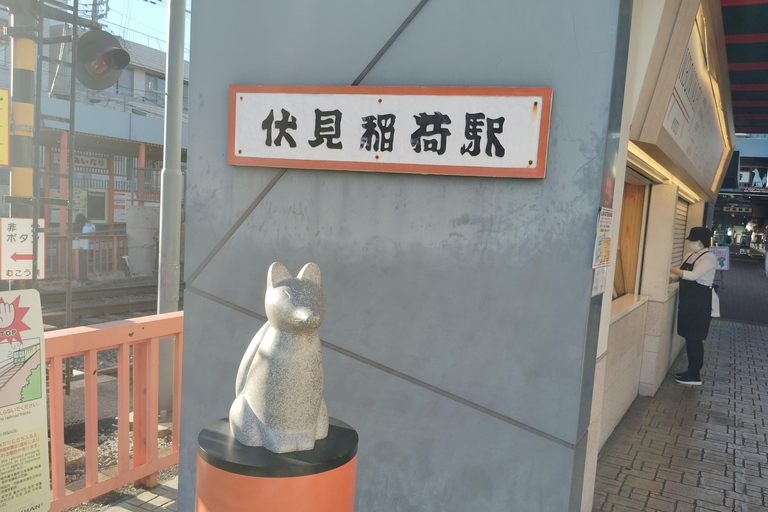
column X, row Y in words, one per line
column 91, row 420
column 114, row 253
column 177, row 362
column 56, row 407
column 76, row 268
column 145, row 376
column 139, row 406
column 123, row 407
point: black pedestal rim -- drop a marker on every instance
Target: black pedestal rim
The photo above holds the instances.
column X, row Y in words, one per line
column 218, row 447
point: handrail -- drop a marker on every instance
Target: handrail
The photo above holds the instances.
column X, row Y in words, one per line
column 143, row 334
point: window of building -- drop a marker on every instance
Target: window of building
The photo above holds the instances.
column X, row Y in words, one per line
column 155, row 88
column 124, row 84
column 630, row 234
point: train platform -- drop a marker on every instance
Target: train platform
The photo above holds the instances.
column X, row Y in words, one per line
column 696, row 448
column 160, row 497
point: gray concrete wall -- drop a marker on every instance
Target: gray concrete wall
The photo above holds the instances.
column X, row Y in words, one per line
column 142, row 228
column 457, row 307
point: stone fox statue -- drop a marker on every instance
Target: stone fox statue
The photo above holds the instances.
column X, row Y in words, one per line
column 279, row 385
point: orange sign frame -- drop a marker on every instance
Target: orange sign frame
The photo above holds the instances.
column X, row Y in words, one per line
column 500, row 172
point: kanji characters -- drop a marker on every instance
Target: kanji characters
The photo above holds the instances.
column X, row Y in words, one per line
column 430, row 125
column 327, row 128
column 288, row 122
column 385, row 123
column 473, row 131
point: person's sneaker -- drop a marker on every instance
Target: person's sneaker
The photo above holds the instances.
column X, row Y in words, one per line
column 681, row 375
column 687, row 379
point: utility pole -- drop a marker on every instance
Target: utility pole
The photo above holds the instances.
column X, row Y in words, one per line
column 170, row 193
column 22, row 104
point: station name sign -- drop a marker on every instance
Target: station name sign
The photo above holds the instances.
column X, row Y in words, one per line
column 462, row 131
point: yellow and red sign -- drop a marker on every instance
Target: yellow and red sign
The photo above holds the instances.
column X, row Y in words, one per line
column 5, row 125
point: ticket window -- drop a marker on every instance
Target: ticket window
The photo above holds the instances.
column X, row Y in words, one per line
column 631, row 233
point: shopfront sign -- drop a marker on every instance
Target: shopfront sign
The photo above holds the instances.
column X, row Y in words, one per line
column 85, row 161
column 692, row 118
column 753, row 179
column 24, row 473
column 466, row 131
column 681, row 120
column 16, row 249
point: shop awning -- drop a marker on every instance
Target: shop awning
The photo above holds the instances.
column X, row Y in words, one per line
column 745, row 23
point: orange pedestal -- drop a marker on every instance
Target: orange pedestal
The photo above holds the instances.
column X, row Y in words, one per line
column 232, row 477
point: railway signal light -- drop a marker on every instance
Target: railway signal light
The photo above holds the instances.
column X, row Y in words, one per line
column 100, row 60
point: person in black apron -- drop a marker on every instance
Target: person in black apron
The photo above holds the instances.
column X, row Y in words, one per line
column 694, row 306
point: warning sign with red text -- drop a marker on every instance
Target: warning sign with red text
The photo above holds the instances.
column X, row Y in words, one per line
column 16, row 249
column 24, row 472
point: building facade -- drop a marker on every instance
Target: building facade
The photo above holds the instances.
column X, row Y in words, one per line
column 468, row 339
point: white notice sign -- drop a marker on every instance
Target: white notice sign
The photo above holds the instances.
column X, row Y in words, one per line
column 466, row 131
column 602, row 253
column 24, row 473
column 16, row 249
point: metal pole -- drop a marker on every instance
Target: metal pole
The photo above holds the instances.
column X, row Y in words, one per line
column 22, row 106
column 170, row 193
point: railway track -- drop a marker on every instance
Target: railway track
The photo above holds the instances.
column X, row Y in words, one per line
column 59, row 296
column 98, row 305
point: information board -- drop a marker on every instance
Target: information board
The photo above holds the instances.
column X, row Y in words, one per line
column 722, row 257
column 24, row 469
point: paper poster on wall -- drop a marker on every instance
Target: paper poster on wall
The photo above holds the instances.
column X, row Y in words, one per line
column 120, row 199
column 24, row 471
column 602, row 254
column 722, row 257
column 598, row 281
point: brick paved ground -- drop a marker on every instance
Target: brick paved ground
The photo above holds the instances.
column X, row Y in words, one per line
column 744, row 295
column 702, row 448
column 160, row 498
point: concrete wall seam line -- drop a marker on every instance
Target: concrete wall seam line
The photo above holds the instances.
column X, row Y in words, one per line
column 235, row 226
column 280, row 174
column 389, row 42
column 400, row 375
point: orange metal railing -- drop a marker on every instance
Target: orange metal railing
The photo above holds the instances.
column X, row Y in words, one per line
column 143, row 335
column 104, row 254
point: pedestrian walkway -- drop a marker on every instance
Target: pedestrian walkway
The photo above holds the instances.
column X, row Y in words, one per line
column 696, row 448
column 161, row 497
column 744, row 291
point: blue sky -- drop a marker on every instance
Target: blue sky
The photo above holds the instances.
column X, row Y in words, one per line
column 144, row 22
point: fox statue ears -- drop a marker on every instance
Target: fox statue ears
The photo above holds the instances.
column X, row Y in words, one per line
column 278, row 273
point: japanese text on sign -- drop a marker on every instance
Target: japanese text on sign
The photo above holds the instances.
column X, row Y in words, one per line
column 602, row 253
column 499, row 132
column 24, row 471
column 16, row 249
